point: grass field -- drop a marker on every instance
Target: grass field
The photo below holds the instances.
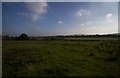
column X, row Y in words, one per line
column 61, row 57
column 92, row 38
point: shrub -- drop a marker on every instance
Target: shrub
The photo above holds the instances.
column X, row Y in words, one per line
column 23, row 37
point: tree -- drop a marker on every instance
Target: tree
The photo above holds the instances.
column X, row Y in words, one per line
column 23, row 37
column 6, row 37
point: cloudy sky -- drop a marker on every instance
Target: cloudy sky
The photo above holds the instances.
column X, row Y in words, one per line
column 59, row 18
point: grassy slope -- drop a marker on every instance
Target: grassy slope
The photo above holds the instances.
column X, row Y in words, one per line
column 66, row 58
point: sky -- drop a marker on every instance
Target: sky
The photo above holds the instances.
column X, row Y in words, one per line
column 60, row 0
column 0, row 18
column 59, row 18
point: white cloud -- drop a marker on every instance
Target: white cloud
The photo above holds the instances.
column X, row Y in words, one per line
column 37, row 9
column 78, row 13
column 60, row 22
column 109, row 16
column 82, row 24
column 82, row 12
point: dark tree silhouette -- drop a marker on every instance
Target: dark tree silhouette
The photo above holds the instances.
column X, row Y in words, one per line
column 6, row 37
column 23, row 37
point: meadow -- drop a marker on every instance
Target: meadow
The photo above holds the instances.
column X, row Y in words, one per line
column 67, row 57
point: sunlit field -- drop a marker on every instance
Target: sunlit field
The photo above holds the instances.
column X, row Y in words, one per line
column 66, row 57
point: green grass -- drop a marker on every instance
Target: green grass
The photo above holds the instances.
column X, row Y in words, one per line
column 60, row 58
column 93, row 38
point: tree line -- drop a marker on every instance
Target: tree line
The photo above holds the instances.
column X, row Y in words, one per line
column 26, row 37
column 20, row 37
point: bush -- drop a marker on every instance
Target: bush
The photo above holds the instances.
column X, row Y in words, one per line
column 23, row 37
column 6, row 37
